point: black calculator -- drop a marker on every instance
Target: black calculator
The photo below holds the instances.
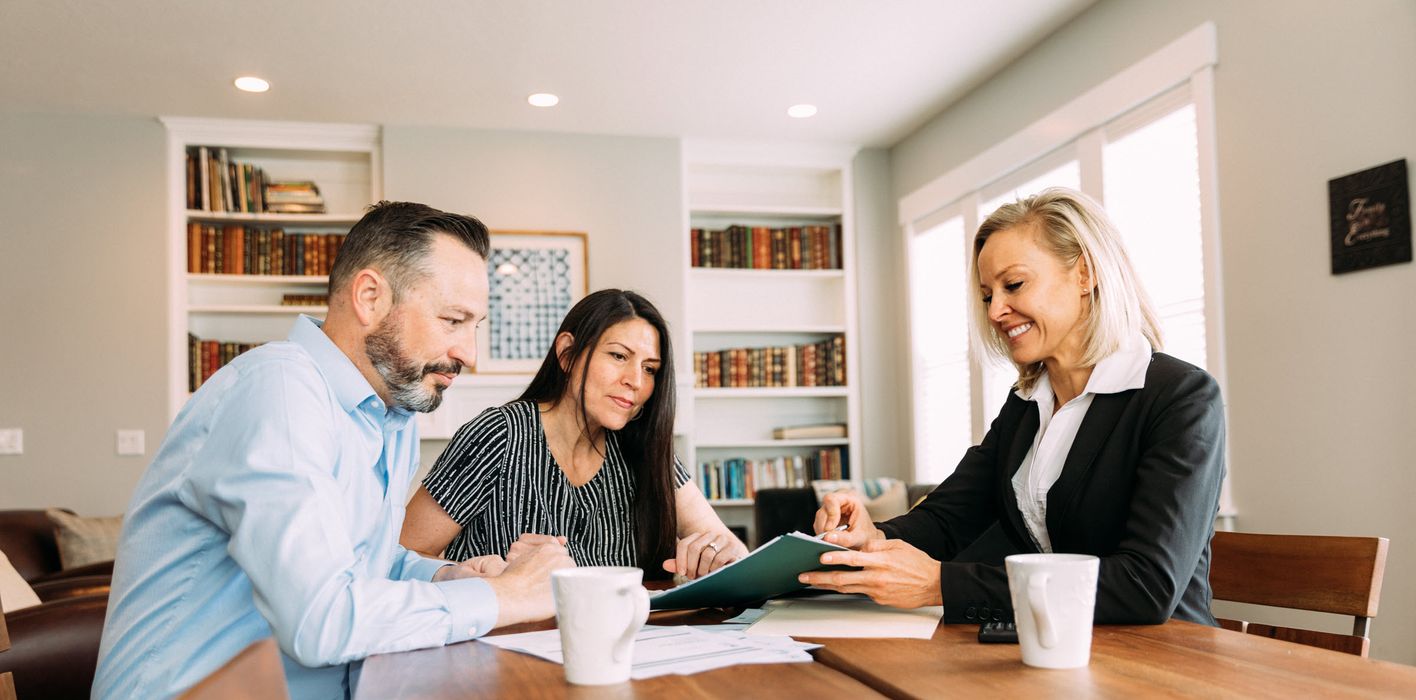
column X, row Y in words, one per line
column 996, row 632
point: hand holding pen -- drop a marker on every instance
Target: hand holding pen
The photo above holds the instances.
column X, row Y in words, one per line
column 843, row 520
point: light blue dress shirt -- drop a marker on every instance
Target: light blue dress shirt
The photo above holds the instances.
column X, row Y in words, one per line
column 274, row 507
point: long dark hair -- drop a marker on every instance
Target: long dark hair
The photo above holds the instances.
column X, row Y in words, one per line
column 648, row 440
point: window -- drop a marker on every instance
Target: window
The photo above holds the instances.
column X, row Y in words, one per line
column 940, row 342
column 1145, row 166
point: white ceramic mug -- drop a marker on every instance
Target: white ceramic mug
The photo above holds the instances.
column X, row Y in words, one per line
column 1053, row 599
column 599, row 610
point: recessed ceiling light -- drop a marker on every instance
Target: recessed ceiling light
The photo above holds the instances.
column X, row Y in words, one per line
column 801, row 111
column 543, row 99
column 251, row 83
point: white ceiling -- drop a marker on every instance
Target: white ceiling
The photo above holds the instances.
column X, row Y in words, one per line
column 723, row 69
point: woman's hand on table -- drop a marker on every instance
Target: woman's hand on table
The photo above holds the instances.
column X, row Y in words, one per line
column 892, row 572
column 702, row 552
column 845, row 508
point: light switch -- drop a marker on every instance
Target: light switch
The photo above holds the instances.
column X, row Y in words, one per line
column 131, row 443
column 12, row 441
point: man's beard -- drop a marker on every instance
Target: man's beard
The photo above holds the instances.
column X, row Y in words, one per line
column 401, row 374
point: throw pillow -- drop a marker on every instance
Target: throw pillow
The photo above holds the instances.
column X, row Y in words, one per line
column 884, row 498
column 84, row 541
column 15, row 592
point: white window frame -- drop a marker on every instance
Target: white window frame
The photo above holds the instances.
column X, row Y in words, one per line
column 1078, row 130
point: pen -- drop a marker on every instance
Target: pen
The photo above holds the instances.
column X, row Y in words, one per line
column 838, row 528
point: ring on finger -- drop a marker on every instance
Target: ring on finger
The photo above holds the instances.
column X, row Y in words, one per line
column 714, row 545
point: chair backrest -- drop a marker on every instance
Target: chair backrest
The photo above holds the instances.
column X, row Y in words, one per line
column 27, row 538
column 7, row 679
column 1341, row 575
column 779, row 511
column 254, row 674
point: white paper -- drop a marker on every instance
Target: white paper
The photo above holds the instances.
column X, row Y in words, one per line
column 845, row 616
column 680, row 650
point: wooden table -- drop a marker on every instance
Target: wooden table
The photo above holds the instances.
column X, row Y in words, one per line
column 1170, row 660
column 473, row 670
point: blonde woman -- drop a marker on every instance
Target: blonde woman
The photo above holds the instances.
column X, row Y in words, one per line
column 1106, row 446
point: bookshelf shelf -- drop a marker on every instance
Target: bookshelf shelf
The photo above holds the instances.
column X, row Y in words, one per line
column 729, row 273
column 786, row 392
column 256, row 280
column 214, row 316
column 729, row 309
column 754, row 444
column 258, row 309
column 769, row 212
column 343, row 220
column 787, row 329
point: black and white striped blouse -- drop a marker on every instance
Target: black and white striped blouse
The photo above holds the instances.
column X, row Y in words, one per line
column 497, row 479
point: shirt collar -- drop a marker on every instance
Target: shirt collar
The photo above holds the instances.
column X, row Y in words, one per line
column 1120, row 371
column 350, row 387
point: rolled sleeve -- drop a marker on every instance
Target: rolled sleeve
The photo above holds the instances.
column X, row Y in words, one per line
column 472, row 605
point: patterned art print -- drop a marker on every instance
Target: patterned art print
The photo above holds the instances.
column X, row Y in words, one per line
column 530, row 294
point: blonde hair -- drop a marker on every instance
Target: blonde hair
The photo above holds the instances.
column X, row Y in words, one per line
column 1072, row 227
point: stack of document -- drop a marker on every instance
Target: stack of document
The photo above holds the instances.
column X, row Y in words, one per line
column 837, row 615
column 660, row 651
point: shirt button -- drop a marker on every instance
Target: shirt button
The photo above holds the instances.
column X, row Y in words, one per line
column 472, row 631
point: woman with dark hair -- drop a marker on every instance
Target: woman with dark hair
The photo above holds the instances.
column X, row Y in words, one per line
column 585, row 455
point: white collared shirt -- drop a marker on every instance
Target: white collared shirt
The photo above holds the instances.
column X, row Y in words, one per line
column 1121, row 371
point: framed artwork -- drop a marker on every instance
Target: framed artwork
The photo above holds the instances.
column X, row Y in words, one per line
column 1370, row 216
column 534, row 277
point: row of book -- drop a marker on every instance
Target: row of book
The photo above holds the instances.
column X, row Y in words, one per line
column 205, row 357
column 764, row 248
column 304, row 300
column 815, row 364
column 739, row 477
column 231, row 249
column 217, row 183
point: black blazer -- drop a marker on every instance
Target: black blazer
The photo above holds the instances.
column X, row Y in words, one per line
column 1139, row 489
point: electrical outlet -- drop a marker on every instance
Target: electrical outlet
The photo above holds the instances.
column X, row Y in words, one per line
column 131, row 443
column 12, row 441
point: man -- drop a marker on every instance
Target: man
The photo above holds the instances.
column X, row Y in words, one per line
column 274, row 505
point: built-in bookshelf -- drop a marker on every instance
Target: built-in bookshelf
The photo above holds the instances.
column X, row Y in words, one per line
column 770, row 296
column 257, row 211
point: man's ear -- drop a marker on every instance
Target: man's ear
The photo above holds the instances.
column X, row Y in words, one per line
column 563, row 343
column 370, row 295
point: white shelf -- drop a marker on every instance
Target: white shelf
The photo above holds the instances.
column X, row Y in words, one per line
column 782, row 329
column 255, row 280
column 787, row 392
column 343, row 159
column 272, row 218
column 750, row 444
column 729, row 272
column 785, row 212
column 260, row 309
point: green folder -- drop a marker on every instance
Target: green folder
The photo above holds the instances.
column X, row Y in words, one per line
column 769, row 571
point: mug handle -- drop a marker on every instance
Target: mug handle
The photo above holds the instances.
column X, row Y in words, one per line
column 1037, row 600
column 637, row 620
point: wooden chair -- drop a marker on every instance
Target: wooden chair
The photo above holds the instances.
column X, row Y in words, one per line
column 1341, row 575
column 7, row 680
column 254, row 674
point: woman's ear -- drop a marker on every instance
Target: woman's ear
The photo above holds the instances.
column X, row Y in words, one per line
column 563, row 343
column 1084, row 276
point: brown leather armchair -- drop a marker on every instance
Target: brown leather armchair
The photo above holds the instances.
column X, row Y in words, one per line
column 53, row 646
column 27, row 539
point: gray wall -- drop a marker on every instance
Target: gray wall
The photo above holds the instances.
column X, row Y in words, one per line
column 1321, row 393
column 83, row 317
column 624, row 192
